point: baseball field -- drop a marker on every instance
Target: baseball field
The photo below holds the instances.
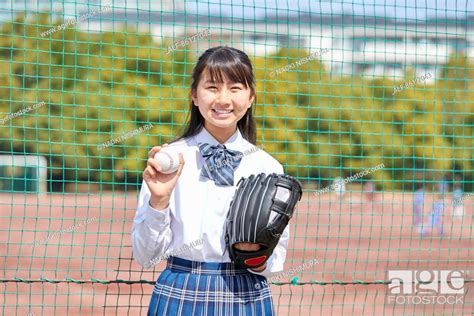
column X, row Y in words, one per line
column 70, row 254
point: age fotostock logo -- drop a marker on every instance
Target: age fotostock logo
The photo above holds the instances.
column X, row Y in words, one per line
column 425, row 287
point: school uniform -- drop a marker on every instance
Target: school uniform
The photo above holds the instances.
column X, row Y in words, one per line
column 418, row 204
column 202, row 280
column 458, row 205
column 339, row 186
column 437, row 216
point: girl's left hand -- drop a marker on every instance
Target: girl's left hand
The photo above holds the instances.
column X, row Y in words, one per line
column 247, row 246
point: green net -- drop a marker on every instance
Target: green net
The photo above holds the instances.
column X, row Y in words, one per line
column 370, row 105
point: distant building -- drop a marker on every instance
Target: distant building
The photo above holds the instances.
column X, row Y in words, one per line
column 365, row 46
column 76, row 7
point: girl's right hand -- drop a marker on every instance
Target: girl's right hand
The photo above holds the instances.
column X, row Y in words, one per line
column 161, row 185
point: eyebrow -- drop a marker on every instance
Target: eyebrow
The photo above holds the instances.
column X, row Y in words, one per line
column 214, row 82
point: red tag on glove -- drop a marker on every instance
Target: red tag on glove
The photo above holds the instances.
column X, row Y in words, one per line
column 255, row 261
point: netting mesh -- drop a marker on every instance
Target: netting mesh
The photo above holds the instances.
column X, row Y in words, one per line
column 370, row 105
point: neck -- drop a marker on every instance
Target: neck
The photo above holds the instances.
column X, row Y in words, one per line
column 221, row 134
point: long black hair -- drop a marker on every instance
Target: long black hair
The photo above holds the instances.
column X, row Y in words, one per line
column 223, row 62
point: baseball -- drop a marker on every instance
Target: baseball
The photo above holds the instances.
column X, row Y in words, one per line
column 168, row 161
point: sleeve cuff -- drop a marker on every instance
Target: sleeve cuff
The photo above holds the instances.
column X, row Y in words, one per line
column 266, row 273
column 259, row 273
column 157, row 219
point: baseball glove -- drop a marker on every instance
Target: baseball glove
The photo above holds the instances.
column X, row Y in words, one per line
column 258, row 215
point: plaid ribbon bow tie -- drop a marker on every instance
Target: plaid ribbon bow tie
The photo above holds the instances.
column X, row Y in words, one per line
column 219, row 163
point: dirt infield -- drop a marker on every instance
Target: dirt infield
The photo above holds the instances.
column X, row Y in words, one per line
column 353, row 240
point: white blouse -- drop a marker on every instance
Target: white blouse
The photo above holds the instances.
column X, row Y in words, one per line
column 192, row 227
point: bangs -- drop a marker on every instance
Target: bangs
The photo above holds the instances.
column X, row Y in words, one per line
column 220, row 67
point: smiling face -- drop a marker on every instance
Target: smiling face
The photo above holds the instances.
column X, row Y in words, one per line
column 222, row 104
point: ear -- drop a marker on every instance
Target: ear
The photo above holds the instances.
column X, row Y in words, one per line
column 194, row 97
column 252, row 98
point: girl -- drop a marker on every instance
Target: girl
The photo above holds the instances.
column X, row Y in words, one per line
column 418, row 208
column 175, row 210
column 458, row 205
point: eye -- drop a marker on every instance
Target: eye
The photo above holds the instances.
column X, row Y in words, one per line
column 236, row 88
column 212, row 88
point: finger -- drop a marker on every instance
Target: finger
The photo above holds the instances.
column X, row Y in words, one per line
column 239, row 246
column 245, row 246
column 153, row 171
column 181, row 164
column 154, row 164
column 153, row 151
column 148, row 174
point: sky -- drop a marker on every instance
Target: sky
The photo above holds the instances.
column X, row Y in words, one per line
column 398, row 9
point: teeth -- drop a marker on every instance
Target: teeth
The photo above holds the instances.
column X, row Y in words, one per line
column 223, row 111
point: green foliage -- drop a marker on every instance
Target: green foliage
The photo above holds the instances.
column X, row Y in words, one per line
column 97, row 87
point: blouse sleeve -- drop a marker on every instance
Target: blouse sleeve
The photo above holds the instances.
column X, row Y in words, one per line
column 277, row 260
column 151, row 231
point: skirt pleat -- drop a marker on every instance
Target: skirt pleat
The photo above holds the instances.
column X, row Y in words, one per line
column 202, row 288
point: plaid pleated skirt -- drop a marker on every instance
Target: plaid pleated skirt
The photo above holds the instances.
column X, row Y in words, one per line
column 209, row 288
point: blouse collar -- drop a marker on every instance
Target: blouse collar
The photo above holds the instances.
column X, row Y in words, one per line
column 235, row 142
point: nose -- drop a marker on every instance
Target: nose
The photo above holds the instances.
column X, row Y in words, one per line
column 224, row 96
